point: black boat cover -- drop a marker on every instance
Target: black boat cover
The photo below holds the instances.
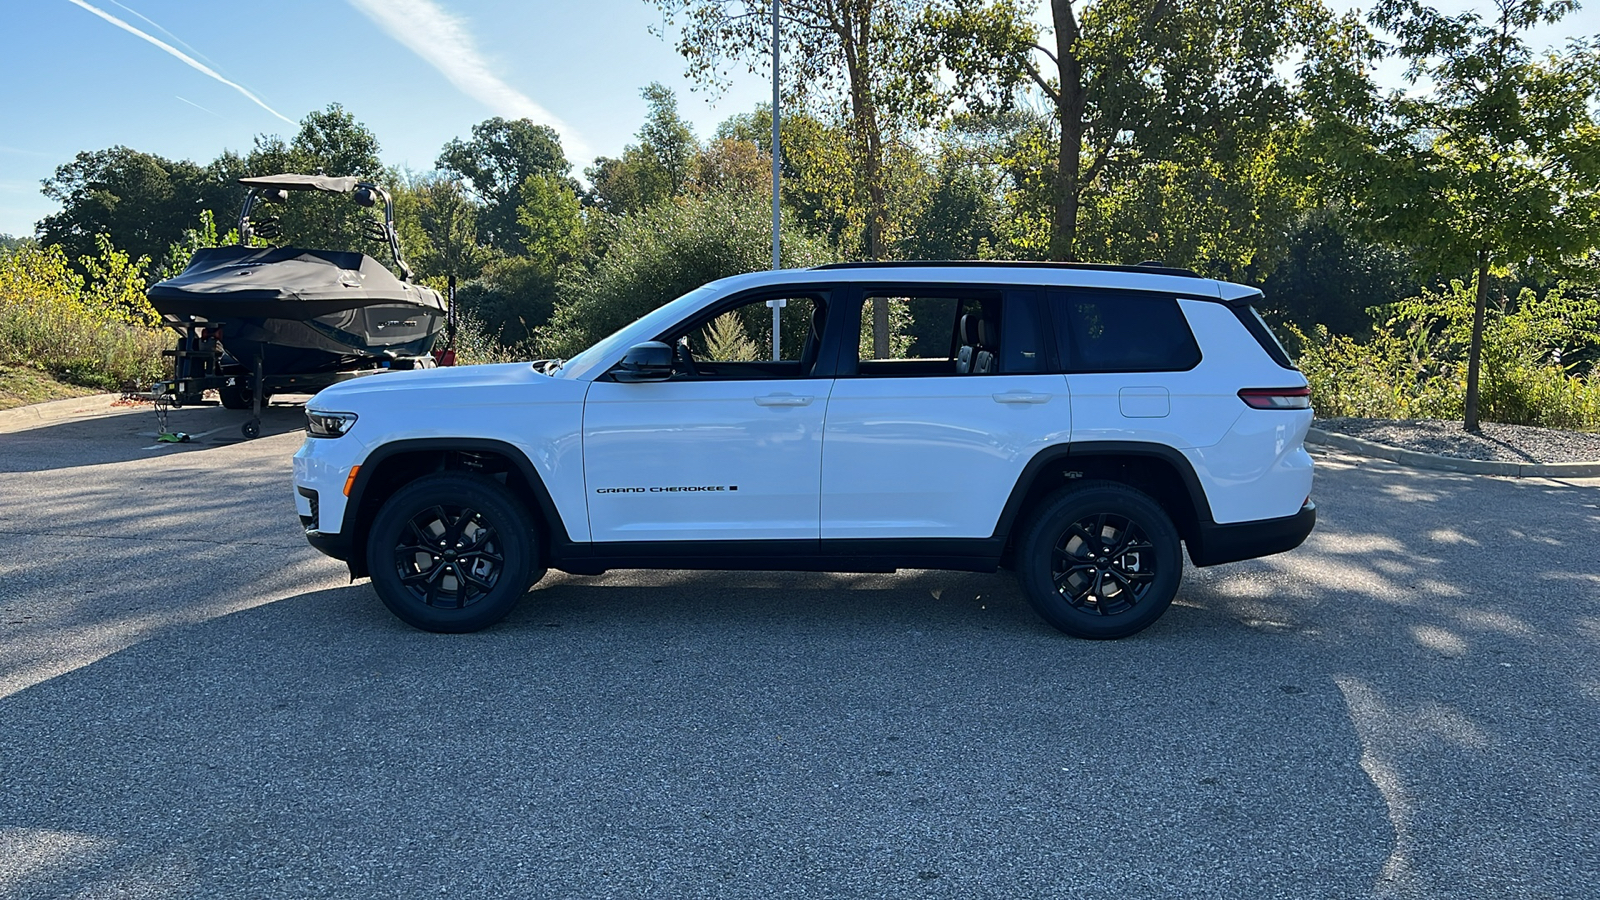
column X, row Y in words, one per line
column 223, row 283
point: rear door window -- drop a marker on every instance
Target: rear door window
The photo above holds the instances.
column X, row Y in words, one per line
column 1121, row 331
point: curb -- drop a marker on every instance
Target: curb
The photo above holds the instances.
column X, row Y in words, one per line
column 56, row 410
column 1418, row 460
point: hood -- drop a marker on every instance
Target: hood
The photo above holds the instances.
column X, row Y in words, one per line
column 459, row 381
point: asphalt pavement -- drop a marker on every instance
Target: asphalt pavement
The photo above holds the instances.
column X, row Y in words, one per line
column 195, row 704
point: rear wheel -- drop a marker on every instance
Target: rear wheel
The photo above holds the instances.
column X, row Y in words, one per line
column 1100, row 560
column 452, row 553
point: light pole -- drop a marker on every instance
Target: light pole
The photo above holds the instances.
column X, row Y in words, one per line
column 775, row 102
column 777, row 305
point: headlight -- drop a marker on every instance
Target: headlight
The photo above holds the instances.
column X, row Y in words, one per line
column 328, row 424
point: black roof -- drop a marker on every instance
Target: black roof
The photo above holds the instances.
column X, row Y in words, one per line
column 1147, row 268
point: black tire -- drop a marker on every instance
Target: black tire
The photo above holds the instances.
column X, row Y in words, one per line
column 1100, row 560
column 237, row 396
column 422, row 578
column 251, row 429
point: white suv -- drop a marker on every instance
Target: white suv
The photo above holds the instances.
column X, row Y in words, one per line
column 1073, row 423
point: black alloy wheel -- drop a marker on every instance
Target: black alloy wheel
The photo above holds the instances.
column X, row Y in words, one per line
column 1099, row 560
column 452, row 552
column 449, row 557
column 1103, row 564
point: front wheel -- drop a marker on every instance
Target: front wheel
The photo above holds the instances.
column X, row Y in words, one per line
column 451, row 553
column 1100, row 560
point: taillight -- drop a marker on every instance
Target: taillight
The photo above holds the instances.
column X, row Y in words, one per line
column 1277, row 398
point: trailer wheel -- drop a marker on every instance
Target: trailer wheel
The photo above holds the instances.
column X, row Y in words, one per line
column 251, row 429
column 237, row 396
column 234, row 396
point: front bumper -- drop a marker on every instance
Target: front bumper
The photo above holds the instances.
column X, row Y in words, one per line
column 1217, row 544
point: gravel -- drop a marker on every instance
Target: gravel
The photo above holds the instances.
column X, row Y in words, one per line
column 1504, row 443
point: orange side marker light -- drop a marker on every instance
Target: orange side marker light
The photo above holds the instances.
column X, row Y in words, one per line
column 350, row 482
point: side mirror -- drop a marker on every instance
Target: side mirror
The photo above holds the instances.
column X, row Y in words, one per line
column 649, row 361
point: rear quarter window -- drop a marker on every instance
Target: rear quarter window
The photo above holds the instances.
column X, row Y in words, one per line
column 1121, row 331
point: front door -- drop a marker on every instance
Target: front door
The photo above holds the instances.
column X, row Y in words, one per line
column 729, row 449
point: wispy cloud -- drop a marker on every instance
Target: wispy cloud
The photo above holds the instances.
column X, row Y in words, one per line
column 157, row 26
column 442, row 40
column 186, row 58
column 196, row 105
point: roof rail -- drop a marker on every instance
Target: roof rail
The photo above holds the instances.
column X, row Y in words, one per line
column 1149, row 268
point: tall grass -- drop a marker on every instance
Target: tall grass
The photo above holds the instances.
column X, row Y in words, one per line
column 97, row 333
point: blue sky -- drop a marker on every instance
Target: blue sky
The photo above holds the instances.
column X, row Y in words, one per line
column 417, row 72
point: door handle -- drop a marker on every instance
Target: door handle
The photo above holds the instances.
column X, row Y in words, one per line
column 783, row 400
column 1021, row 397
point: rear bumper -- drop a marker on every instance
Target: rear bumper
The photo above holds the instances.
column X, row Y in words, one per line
column 1219, row 544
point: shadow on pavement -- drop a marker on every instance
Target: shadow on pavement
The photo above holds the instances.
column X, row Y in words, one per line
column 718, row 734
column 127, row 434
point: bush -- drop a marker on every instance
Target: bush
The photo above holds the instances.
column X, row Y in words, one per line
column 94, row 334
column 665, row 252
column 1414, row 365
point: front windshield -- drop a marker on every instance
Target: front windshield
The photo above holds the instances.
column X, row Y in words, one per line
column 607, row 348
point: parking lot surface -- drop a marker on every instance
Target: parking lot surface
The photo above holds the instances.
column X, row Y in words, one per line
column 193, row 703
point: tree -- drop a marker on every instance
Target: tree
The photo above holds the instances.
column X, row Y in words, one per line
column 848, row 53
column 659, row 167
column 495, row 163
column 143, row 202
column 1331, row 276
column 664, row 252
column 447, row 222
column 1130, row 84
column 329, row 142
column 1494, row 160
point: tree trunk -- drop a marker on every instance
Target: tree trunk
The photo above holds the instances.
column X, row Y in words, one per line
column 1069, row 116
column 1475, row 351
column 856, row 35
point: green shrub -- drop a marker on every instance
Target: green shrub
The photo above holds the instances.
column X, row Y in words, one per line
column 94, row 334
column 1414, row 364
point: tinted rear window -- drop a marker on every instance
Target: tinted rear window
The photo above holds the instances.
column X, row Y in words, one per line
column 1122, row 331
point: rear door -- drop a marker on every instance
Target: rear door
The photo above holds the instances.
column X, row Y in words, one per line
column 1135, row 370
column 920, row 445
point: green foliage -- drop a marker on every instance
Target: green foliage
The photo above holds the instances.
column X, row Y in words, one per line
column 1165, row 115
column 141, row 201
column 477, row 345
column 444, row 240
column 552, row 220
column 659, row 167
column 513, row 296
column 1495, row 161
column 665, row 252
column 1535, row 352
column 92, row 333
column 329, row 142
column 1331, row 277
column 727, row 341
column 500, row 157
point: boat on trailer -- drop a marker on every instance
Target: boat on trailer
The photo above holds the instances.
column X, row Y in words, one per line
column 257, row 320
